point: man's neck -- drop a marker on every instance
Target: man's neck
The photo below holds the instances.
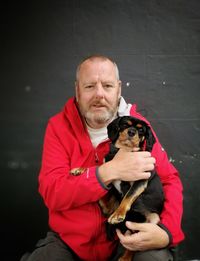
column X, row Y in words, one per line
column 96, row 125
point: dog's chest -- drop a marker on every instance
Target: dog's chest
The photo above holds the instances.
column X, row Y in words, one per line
column 122, row 186
column 117, row 185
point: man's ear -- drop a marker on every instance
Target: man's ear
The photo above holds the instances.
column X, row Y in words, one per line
column 120, row 89
column 76, row 90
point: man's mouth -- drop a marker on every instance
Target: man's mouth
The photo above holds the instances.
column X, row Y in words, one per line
column 98, row 106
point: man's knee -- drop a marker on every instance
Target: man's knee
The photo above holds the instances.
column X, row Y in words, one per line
column 25, row 257
column 154, row 255
column 50, row 248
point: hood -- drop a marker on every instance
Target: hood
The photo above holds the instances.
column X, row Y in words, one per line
column 76, row 123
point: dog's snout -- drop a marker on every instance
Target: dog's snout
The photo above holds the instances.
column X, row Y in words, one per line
column 131, row 132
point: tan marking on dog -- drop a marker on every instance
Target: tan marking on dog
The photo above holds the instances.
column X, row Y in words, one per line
column 127, row 256
column 125, row 141
column 120, row 213
column 108, row 204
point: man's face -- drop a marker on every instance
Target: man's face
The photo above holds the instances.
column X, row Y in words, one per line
column 97, row 92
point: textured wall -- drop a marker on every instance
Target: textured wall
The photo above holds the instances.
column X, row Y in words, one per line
column 157, row 47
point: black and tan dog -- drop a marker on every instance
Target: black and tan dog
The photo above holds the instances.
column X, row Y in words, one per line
column 139, row 201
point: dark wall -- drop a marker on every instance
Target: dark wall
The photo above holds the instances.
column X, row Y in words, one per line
column 157, row 47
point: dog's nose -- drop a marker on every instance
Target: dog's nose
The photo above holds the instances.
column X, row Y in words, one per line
column 131, row 132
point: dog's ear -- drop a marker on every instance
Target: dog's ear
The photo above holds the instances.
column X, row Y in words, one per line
column 150, row 139
column 113, row 129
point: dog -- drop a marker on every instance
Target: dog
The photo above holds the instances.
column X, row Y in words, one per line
column 138, row 201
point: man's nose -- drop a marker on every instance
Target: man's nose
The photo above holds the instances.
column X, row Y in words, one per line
column 99, row 90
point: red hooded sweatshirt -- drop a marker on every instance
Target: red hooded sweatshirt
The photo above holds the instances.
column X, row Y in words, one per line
column 72, row 201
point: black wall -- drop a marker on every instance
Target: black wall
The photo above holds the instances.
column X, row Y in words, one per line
column 157, row 47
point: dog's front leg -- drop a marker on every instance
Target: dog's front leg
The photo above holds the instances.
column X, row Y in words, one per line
column 133, row 193
column 108, row 204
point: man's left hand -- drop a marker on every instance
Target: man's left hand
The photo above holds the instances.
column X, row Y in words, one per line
column 143, row 236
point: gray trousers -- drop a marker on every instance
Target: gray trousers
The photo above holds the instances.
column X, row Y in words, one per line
column 52, row 248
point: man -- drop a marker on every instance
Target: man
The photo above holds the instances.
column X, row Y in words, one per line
column 77, row 137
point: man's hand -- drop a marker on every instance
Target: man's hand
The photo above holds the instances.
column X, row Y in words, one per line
column 143, row 236
column 127, row 166
column 131, row 166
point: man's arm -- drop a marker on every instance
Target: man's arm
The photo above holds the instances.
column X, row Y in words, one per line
column 60, row 189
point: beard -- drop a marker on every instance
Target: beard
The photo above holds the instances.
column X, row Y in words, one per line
column 100, row 117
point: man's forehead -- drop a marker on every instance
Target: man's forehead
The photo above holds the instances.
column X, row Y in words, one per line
column 97, row 64
column 97, row 69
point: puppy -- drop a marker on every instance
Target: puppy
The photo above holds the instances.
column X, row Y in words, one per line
column 139, row 201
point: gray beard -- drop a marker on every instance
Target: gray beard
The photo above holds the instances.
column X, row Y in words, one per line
column 99, row 118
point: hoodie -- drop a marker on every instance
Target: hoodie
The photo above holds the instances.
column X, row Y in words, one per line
column 72, row 201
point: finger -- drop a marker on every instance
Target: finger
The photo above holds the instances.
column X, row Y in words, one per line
column 146, row 154
column 148, row 157
column 127, row 233
column 144, row 175
column 133, row 226
column 119, row 234
column 135, row 149
column 150, row 160
column 149, row 167
column 124, row 239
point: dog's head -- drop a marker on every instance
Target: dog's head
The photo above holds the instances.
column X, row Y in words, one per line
column 129, row 132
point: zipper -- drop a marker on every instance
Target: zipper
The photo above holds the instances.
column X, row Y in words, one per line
column 96, row 157
column 99, row 148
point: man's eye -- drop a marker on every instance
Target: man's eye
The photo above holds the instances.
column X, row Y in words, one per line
column 89, row 86
column 108, row 86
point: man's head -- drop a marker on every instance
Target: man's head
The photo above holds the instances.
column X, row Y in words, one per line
column 98, row 90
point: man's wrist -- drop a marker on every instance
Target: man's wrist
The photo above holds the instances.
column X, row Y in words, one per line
column 104, row 174
column 106, row 186
column 167, row 232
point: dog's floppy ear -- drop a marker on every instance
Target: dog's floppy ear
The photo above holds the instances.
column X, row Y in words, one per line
column 113, row 129
column 150, row 139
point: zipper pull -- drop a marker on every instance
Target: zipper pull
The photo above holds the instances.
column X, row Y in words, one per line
column 96, row 157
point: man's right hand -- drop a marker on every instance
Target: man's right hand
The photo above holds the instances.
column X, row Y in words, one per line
column 127, row 166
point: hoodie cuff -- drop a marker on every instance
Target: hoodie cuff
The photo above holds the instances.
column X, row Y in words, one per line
column 168, row 233
column 100, row 180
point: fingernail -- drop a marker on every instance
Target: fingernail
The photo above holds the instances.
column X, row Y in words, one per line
column 128, row 223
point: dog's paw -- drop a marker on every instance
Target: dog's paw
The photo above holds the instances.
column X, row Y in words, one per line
column 116, row 218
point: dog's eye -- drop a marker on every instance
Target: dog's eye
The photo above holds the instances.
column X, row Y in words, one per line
column 141, row 131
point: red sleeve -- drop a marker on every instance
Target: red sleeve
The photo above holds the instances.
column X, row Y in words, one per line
column 59, row 189
column 171, row 215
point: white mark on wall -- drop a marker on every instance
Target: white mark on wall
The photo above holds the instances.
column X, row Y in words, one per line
column 16, row 164
column 27, row 88
column 171, row 159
